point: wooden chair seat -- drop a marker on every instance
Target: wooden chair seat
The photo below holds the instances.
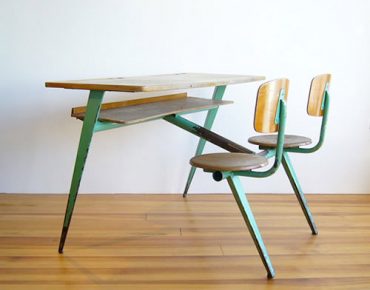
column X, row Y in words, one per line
column 270, row 141
column 228, row 161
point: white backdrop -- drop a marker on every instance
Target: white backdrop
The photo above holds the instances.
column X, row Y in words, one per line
column 56, row 40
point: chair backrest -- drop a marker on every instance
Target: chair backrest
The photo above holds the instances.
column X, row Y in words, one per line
column 267, row 105
column 319, row 85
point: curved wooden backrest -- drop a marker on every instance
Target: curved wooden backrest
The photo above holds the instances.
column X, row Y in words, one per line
column 316, row 95
column 267, row 104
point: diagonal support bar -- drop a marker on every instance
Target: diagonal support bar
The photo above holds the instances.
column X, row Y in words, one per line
column 288, row 167
column 206, row 135
column 243, row 204
column 218, row 93
column 92, row 112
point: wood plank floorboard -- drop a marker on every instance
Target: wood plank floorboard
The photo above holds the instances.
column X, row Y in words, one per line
column 163, row 242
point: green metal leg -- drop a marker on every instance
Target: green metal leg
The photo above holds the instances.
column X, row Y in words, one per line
column 241, row 199
column 92, row 112
column 288, row 167
column 211, row 115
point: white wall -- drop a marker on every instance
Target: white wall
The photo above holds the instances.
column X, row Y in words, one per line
column 44, row 40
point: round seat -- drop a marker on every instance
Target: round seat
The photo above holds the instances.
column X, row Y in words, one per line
column 270, row 141
column 228, row 161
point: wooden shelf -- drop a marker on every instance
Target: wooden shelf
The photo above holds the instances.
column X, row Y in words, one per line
column 150, row 111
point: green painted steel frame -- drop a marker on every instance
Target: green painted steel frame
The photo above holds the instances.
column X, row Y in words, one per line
column 278, row 152
column 246, row 211
column 289, row 169
column 91, row 124
column 325, row 105
column 217, row 95
column 239, row 194
column 92, row 112
column 268, row 153
column 293, row 179
column 205, row 134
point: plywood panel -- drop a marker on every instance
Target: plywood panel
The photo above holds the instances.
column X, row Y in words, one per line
column 156, row 82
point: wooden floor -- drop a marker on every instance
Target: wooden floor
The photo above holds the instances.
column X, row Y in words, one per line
column 167, row 242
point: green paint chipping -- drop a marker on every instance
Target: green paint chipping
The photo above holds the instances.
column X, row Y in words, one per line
column 92, row 113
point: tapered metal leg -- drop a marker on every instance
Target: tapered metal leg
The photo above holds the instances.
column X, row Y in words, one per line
column 241, row 200
column 288, row 167
column 190, row 177
column 211, row 115
column 92, row 112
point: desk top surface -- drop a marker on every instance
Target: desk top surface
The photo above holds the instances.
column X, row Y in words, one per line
column 156, row 82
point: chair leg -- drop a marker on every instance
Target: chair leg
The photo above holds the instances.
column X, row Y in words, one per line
column 288, row 167
column 92, row 111
column 241, row 200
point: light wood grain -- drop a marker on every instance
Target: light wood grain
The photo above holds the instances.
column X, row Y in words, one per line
column 228, row 161
column 156, row 82
column 137, row 113
column 142, row 98
column 270, row 141
column 166, row 242
column 266, row 105
column 316, row 94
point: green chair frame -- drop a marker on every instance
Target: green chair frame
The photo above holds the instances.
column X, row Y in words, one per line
column 287, row 164
column 237, row 188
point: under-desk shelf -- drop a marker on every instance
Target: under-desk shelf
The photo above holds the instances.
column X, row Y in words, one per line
column 138, row 113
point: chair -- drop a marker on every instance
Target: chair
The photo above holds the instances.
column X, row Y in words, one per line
column 318, row 105
column 270, row 116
